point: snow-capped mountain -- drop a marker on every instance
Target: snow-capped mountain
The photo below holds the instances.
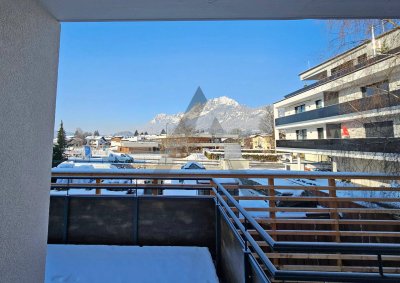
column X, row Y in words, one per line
column 229, row 113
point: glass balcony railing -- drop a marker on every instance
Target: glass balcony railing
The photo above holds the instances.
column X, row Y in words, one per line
column 382, row 145
column 358, row 105
column 347, row 71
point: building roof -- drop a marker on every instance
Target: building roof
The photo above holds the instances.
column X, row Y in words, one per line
column 345, row 53
column 95, row 138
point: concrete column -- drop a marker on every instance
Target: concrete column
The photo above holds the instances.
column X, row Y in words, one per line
column 334, row 166
column 29, row 45
column 299, row 162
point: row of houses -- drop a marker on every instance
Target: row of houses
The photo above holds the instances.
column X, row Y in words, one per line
column 175, row 145
column 350, row 114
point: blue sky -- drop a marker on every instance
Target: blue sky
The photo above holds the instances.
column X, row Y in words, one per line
column 115, row 76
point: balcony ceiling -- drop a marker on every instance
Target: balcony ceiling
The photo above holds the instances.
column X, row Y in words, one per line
column 137, row 10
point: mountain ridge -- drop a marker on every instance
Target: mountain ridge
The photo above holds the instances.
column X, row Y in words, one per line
column 230, row 114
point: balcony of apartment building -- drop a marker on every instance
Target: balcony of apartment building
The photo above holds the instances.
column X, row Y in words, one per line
column 346, row 88
column 376, row 137
column 353, row 65
column 372, row 103
column 318, row 234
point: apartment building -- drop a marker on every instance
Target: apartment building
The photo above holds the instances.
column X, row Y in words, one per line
column 350, row 113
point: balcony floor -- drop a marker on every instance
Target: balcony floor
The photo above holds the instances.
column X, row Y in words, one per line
column 83, row 263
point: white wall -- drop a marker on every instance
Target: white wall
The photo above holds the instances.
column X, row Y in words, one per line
column 355, row 127
column 309, row 104
column 350, row 93
column 29, row 43
column 312, row 132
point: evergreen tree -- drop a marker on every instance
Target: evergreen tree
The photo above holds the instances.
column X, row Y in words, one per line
column 146, row 134
column 163, row 132
column 136, row 133
column 96, row 133
column 61, row 138
column 59, row 148
column 58, row 156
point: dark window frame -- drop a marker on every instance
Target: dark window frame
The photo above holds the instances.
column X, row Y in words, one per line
column 331, row 98
column 362, row 58
column 320, row 132
column 334, row 131
column 301, row 134
column 384, row 129
column 300, row 108
column 381, row 87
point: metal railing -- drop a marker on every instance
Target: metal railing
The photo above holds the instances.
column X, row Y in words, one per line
column 271, row 253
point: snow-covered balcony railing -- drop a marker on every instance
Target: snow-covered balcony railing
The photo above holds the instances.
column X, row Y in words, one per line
column 286, row 225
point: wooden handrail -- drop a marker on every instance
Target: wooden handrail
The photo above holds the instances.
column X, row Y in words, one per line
column 208, row 174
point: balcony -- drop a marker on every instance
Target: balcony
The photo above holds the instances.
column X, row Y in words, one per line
column 347, row 71
column 276, row 230
column 354, row 106
column 381, row 145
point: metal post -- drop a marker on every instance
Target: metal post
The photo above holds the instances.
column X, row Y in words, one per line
column 66, row 220
column 247, row 267
column 218, row 237
column 380, row 264
column 135, row 223
column 98, row 191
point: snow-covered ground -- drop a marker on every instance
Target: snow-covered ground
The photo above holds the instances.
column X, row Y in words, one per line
column 320, row 182
column 120, row 264
column 197, row 157
column 265, row 203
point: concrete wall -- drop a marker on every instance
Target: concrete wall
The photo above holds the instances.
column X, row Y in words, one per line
column 29, row 43
column 347, row 164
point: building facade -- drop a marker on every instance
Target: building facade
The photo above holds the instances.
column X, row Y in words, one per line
column 350, row 115
column 259, row 141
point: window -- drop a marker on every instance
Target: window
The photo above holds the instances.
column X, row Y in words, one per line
column 379, row 129
column 362, row 58
column 342, row 68
column 300, row 108
column 318, row 103
column 333, row 131
column 377, row 88
column 282, row 134
column 331, row 98
column 301, row 134
column 320, row 133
